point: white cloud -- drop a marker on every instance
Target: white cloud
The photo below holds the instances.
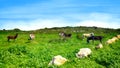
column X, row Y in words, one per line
column 98, row 19
column 34, row 24
column 91, row 23
column 102, row 24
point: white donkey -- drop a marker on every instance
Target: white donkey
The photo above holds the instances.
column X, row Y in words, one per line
column 32, row 36
column 86, row 35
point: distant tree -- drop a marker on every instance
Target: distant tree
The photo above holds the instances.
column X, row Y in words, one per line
column 16, row 29
column 118, row 30
column 94, row 27
column 45, row 28
column 55, row 28
column 3, row 29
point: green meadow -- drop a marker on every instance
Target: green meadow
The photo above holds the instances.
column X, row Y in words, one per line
column 37, row 53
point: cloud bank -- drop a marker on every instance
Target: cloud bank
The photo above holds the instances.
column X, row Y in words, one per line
column 93, row 19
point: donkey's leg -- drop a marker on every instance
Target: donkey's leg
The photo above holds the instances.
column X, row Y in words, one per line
column 14, row 40
column 100, row 41
column 8, row 39
column 93, row 40
column 87, row 41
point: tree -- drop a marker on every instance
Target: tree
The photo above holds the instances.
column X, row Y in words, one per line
column 17, row 29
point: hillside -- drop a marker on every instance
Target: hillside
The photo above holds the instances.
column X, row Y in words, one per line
column 37, row 53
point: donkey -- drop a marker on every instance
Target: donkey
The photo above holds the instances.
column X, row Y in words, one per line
column 64, row 35
column 95, row 38
column 32, row 36
column 12, row 37
column 86, row 35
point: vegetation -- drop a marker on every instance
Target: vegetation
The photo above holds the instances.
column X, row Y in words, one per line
column 37, row 53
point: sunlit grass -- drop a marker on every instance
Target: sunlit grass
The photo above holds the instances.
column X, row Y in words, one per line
column 37, row 53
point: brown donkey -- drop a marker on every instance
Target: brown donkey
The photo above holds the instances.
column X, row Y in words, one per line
column 12, row 37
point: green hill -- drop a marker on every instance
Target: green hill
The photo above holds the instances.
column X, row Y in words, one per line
column 37, row 53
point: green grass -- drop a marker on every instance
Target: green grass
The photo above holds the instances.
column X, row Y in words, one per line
column 37, row 53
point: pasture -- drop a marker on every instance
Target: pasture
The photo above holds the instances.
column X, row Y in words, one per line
column 37, row 53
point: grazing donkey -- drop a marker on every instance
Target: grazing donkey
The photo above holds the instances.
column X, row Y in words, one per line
column 95, row 38
column 64, row 35
column 32, row 36
column 12, row 37
column 86, row 35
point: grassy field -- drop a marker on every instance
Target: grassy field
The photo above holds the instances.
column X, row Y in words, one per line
column 37, row 53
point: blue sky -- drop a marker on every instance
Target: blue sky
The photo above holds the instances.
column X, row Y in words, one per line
column 36, row 14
